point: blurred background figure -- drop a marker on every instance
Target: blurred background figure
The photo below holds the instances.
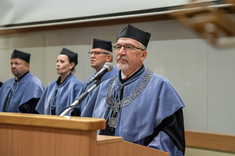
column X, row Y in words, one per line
column 21, row 93
column 100, row 53
column 60, row 93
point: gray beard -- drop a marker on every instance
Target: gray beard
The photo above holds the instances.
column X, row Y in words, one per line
column 123, row 66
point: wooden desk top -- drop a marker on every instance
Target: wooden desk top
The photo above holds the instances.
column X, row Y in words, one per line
column 104, row 139
column 53, row 121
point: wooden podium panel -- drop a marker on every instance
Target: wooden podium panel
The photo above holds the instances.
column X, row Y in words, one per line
column 115, row 146
column 49, row 135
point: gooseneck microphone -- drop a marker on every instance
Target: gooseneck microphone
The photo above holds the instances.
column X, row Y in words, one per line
column 106, row 68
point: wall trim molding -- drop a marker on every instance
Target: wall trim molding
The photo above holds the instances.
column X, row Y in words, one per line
column 149, row 15
column 82, row 24
column 211, row 141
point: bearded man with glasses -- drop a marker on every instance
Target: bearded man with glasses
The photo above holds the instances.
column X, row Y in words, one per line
column 139, row 105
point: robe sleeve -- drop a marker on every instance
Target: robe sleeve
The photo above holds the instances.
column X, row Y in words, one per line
column 89, row 105
column 76, row 112
column 169, row 135
column 29, row 107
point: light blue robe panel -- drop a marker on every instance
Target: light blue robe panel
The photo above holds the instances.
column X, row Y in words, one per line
column 66, row 94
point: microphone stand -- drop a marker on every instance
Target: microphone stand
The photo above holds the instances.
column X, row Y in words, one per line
column 80, row 99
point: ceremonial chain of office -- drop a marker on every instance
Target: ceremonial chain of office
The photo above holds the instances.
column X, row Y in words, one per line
column 126, row 101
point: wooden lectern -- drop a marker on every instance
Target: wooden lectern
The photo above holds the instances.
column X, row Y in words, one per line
column 47, row 135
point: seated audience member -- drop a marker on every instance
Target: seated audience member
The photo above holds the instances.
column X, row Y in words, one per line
column 62, row 92
column 21, row 93
column 100, row 53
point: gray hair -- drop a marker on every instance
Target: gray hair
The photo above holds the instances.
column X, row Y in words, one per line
column 141, row 45
column 110, row 53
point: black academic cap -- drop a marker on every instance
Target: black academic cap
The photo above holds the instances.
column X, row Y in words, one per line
column 106, row 45
column 73, row 57
column 21, row 55
column 135, row 33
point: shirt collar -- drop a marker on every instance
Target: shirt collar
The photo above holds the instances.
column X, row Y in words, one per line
column 58, row 81
column 16, row 80
column 122, row 75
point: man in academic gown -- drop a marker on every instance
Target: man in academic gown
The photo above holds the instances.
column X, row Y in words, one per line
column 21, row 93
column 62, row 92
column 139, row 105
column 100, row 53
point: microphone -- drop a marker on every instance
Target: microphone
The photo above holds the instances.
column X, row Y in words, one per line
column 106, row 68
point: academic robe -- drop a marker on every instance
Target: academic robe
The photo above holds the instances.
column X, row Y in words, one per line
column 149, row 112
column 25, row 94
column 85, row 87
column 64, row 95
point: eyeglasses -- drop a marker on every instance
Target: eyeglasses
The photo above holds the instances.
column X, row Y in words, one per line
column 127, row 47
column 97, row 52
